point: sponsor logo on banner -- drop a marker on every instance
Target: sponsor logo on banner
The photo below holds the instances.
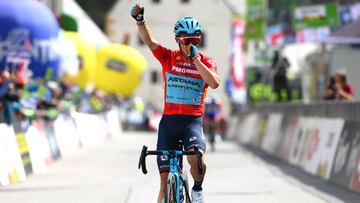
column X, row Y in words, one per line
column 298, row 142
column 320, row 145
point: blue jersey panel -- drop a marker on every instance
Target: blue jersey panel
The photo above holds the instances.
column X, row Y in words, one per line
column 183, row 90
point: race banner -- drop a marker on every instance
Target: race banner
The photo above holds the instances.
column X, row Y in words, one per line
column 255, row 19
column 312, row 35
column 322, row 15
column 236, row 82
column 345, row 169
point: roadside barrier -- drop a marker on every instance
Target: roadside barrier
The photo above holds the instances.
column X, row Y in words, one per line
column 30, row 146
column 321, row 140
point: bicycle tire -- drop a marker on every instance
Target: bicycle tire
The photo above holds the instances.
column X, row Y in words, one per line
column 185, row 193
column 170, row 195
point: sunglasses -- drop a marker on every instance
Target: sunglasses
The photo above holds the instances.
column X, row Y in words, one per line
column 188, row 40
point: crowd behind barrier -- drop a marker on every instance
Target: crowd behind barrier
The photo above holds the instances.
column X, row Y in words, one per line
column 321, row 138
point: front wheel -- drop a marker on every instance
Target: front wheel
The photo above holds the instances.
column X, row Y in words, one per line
column 185, row 193
column 170, row 195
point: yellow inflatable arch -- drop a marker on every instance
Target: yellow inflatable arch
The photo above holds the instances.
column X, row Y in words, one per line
column 119, row 69
column 87, row 56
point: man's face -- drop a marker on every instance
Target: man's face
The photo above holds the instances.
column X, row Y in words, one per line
column 186, row 41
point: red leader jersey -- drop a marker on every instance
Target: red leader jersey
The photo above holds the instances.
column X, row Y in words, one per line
column 184, row 89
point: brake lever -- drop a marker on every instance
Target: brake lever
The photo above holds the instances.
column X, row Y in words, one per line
column 142, row 160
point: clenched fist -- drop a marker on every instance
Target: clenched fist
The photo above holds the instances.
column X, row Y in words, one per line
column 137, row 12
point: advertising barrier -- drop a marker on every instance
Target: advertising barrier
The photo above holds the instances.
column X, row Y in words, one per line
column 53, row 144
column 39, row 148
column 30, row 146
column 321, row 146
column 247, row 129
column 289, row 125
column 22, row 145
column 91, row 129
column 272, row 136
column 322, row 138
column 113, row 122
column 297, row 144
column 11, row 166
column 345, row 166
column 66, row 134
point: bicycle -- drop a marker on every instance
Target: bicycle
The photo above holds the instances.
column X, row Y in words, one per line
column 177, row 190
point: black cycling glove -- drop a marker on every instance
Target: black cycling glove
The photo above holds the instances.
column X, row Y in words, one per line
column 140, row 16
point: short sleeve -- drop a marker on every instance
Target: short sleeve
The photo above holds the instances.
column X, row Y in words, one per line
column 162, row 54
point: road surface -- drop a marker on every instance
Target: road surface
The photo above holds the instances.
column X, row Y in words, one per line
column 108, row 174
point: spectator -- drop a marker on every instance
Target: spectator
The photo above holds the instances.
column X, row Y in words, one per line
column 343, row 88
column 330, row 91
column 8, row 95
column 279, row 67
column 212, row 118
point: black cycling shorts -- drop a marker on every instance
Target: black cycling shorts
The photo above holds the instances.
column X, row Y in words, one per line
column 172, row 129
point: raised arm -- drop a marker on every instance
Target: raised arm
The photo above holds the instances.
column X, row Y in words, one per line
column 137, row 12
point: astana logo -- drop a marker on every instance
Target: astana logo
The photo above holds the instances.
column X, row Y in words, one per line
column 181, row 80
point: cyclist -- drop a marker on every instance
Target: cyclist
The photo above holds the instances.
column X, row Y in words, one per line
column 187, row 74
column 212, row 118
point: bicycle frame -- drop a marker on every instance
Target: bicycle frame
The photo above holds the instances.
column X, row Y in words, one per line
column 175, row 164
column 174, row 169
